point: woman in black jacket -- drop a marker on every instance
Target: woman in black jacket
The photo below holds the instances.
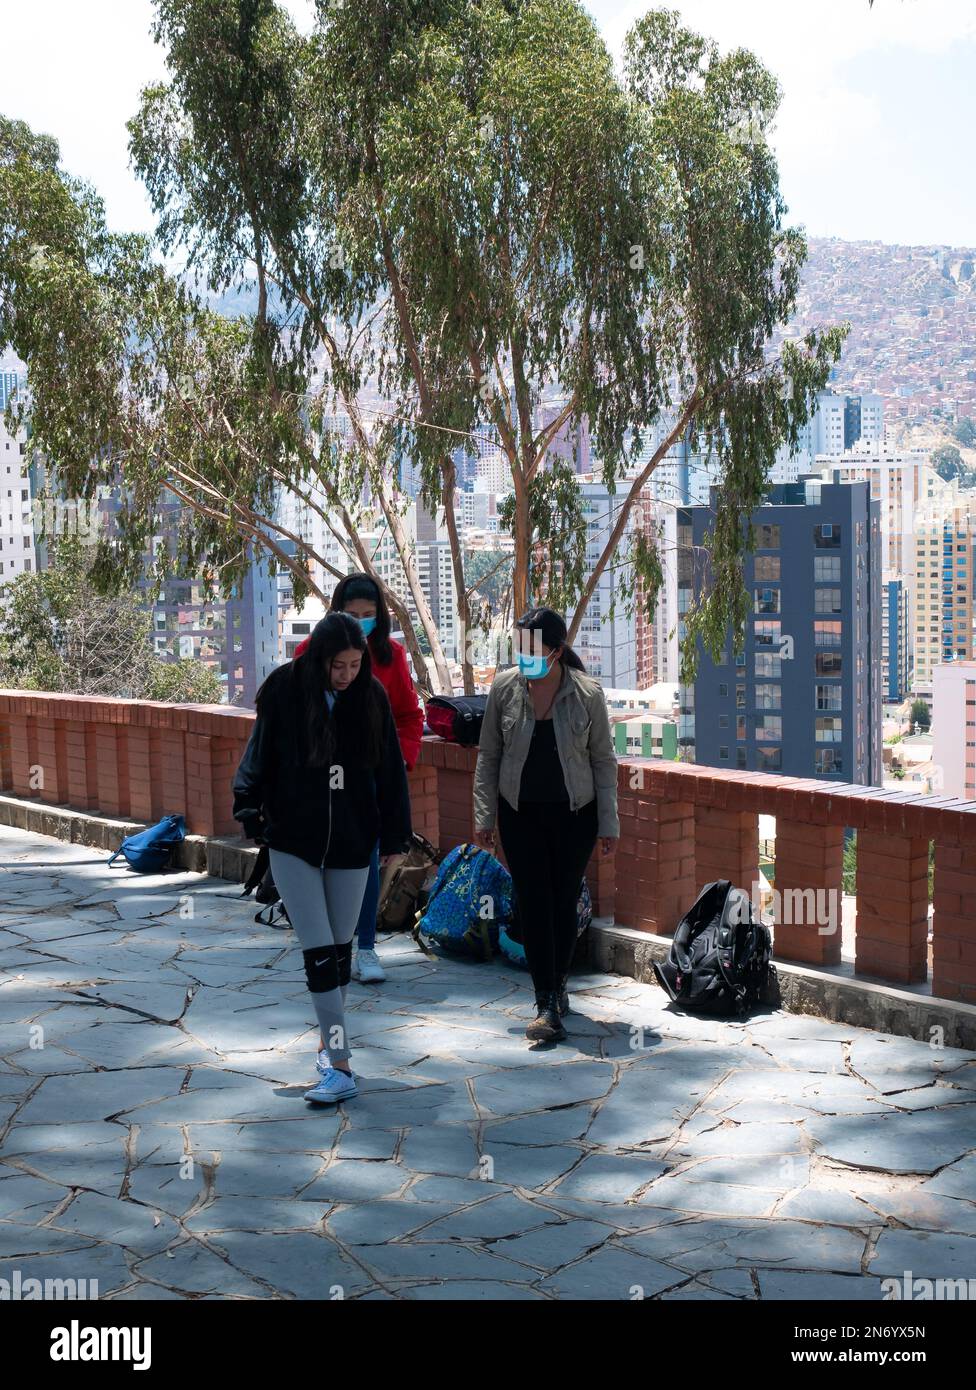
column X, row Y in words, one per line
column 321, row 781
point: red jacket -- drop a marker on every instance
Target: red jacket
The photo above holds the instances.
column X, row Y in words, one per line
column 395, row 680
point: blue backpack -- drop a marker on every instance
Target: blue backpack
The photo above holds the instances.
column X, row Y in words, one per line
column 510, row 937
column 470, row 900
column 150, row 850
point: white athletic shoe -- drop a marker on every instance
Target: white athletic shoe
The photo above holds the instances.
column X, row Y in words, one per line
column 367, row 968
column 332, row 1086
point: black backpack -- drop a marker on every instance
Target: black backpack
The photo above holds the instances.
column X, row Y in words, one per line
column 456, row 718
column 262, row 884
column 719, row 958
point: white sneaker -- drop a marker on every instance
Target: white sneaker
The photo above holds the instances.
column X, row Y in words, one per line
column 367, row 968
column 332, row 1086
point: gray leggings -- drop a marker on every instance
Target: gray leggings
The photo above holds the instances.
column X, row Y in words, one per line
column 323, row 907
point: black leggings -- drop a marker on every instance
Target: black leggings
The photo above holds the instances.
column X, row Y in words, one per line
column 547, row 847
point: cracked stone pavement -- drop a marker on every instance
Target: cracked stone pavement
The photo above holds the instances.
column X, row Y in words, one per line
column 155, row 1043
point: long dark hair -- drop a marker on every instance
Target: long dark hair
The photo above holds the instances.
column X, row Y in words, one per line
column 356, row 724
column 553, row 633
column 365, row 586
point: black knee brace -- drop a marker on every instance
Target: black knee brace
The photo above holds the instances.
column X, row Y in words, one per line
column 344, row 959
column 321, row 969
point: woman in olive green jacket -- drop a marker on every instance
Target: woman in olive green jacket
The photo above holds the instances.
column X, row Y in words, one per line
column 547, row 774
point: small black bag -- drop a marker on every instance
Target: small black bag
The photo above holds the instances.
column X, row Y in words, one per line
column 261, row 883
column 719, row 958
column 456, row 718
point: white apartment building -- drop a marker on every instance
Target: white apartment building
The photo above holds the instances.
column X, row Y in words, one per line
column 17, row 544
column 838, row 423
column 906, row 485
column 606, row 644
column 954, row 728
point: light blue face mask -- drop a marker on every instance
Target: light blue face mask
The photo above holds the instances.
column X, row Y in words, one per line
column 367, row 624
column 532, row 667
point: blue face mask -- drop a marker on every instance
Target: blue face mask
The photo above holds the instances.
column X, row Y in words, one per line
column 532, row 667
column 367, row 624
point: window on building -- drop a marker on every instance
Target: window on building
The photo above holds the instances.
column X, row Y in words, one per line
column 828, row 729
column 769, row 728
column 769, row 697
column 827, row 761
column 766, row 568
column 827, row 634
column 829, row 696
column 826, row 536
column 765, row 537
column 767, row 601
column 767, row 633
column 826, row 600
column 768, row 664
column 769, row 759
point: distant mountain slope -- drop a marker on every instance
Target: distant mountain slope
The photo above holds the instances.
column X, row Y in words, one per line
column 912, row 311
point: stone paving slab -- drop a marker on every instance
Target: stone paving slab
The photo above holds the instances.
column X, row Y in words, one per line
column 155, row 1045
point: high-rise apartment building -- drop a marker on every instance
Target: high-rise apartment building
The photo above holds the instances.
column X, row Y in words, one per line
column 17, row 537
column 954, row 728
column 943, row 584
column 836, row 425
column 804, row 695
column 896, row 654
column 606, row 641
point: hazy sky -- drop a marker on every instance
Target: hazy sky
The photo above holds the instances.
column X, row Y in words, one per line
column 874, row 136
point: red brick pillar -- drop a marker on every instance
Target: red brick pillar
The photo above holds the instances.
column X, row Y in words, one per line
column 808, row 899
column 200, row 811
column 140, row 774
column 23, row 754
column 80, row 776
column 954, row 923
column 6, row 773
column 601, row 879
column 422, row 784
column 167, row 761
column 892, row 906
column 455, row 794
column 727, row 846
column 46, row 784
column 655, row 861
column 111, row 770
column 225, row 755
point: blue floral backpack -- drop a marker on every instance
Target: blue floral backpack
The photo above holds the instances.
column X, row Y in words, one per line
column 510, row 937
column 470, row 901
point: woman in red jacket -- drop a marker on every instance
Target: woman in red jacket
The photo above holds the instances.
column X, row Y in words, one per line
column 361, row 597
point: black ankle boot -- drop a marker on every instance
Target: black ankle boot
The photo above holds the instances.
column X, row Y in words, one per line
column 547, row 1025
column 563, row 996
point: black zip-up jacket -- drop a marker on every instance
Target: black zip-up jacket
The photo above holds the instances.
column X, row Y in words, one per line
column 299, row 809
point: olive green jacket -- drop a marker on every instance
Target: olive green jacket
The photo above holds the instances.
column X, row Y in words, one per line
column 583, row 740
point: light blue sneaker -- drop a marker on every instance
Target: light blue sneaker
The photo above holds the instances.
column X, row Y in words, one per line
column 332, row 1086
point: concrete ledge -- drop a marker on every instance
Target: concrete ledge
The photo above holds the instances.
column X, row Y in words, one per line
column 803, row 989
column 229, row 859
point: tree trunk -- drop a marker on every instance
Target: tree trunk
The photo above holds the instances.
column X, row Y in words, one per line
column 449, row 487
